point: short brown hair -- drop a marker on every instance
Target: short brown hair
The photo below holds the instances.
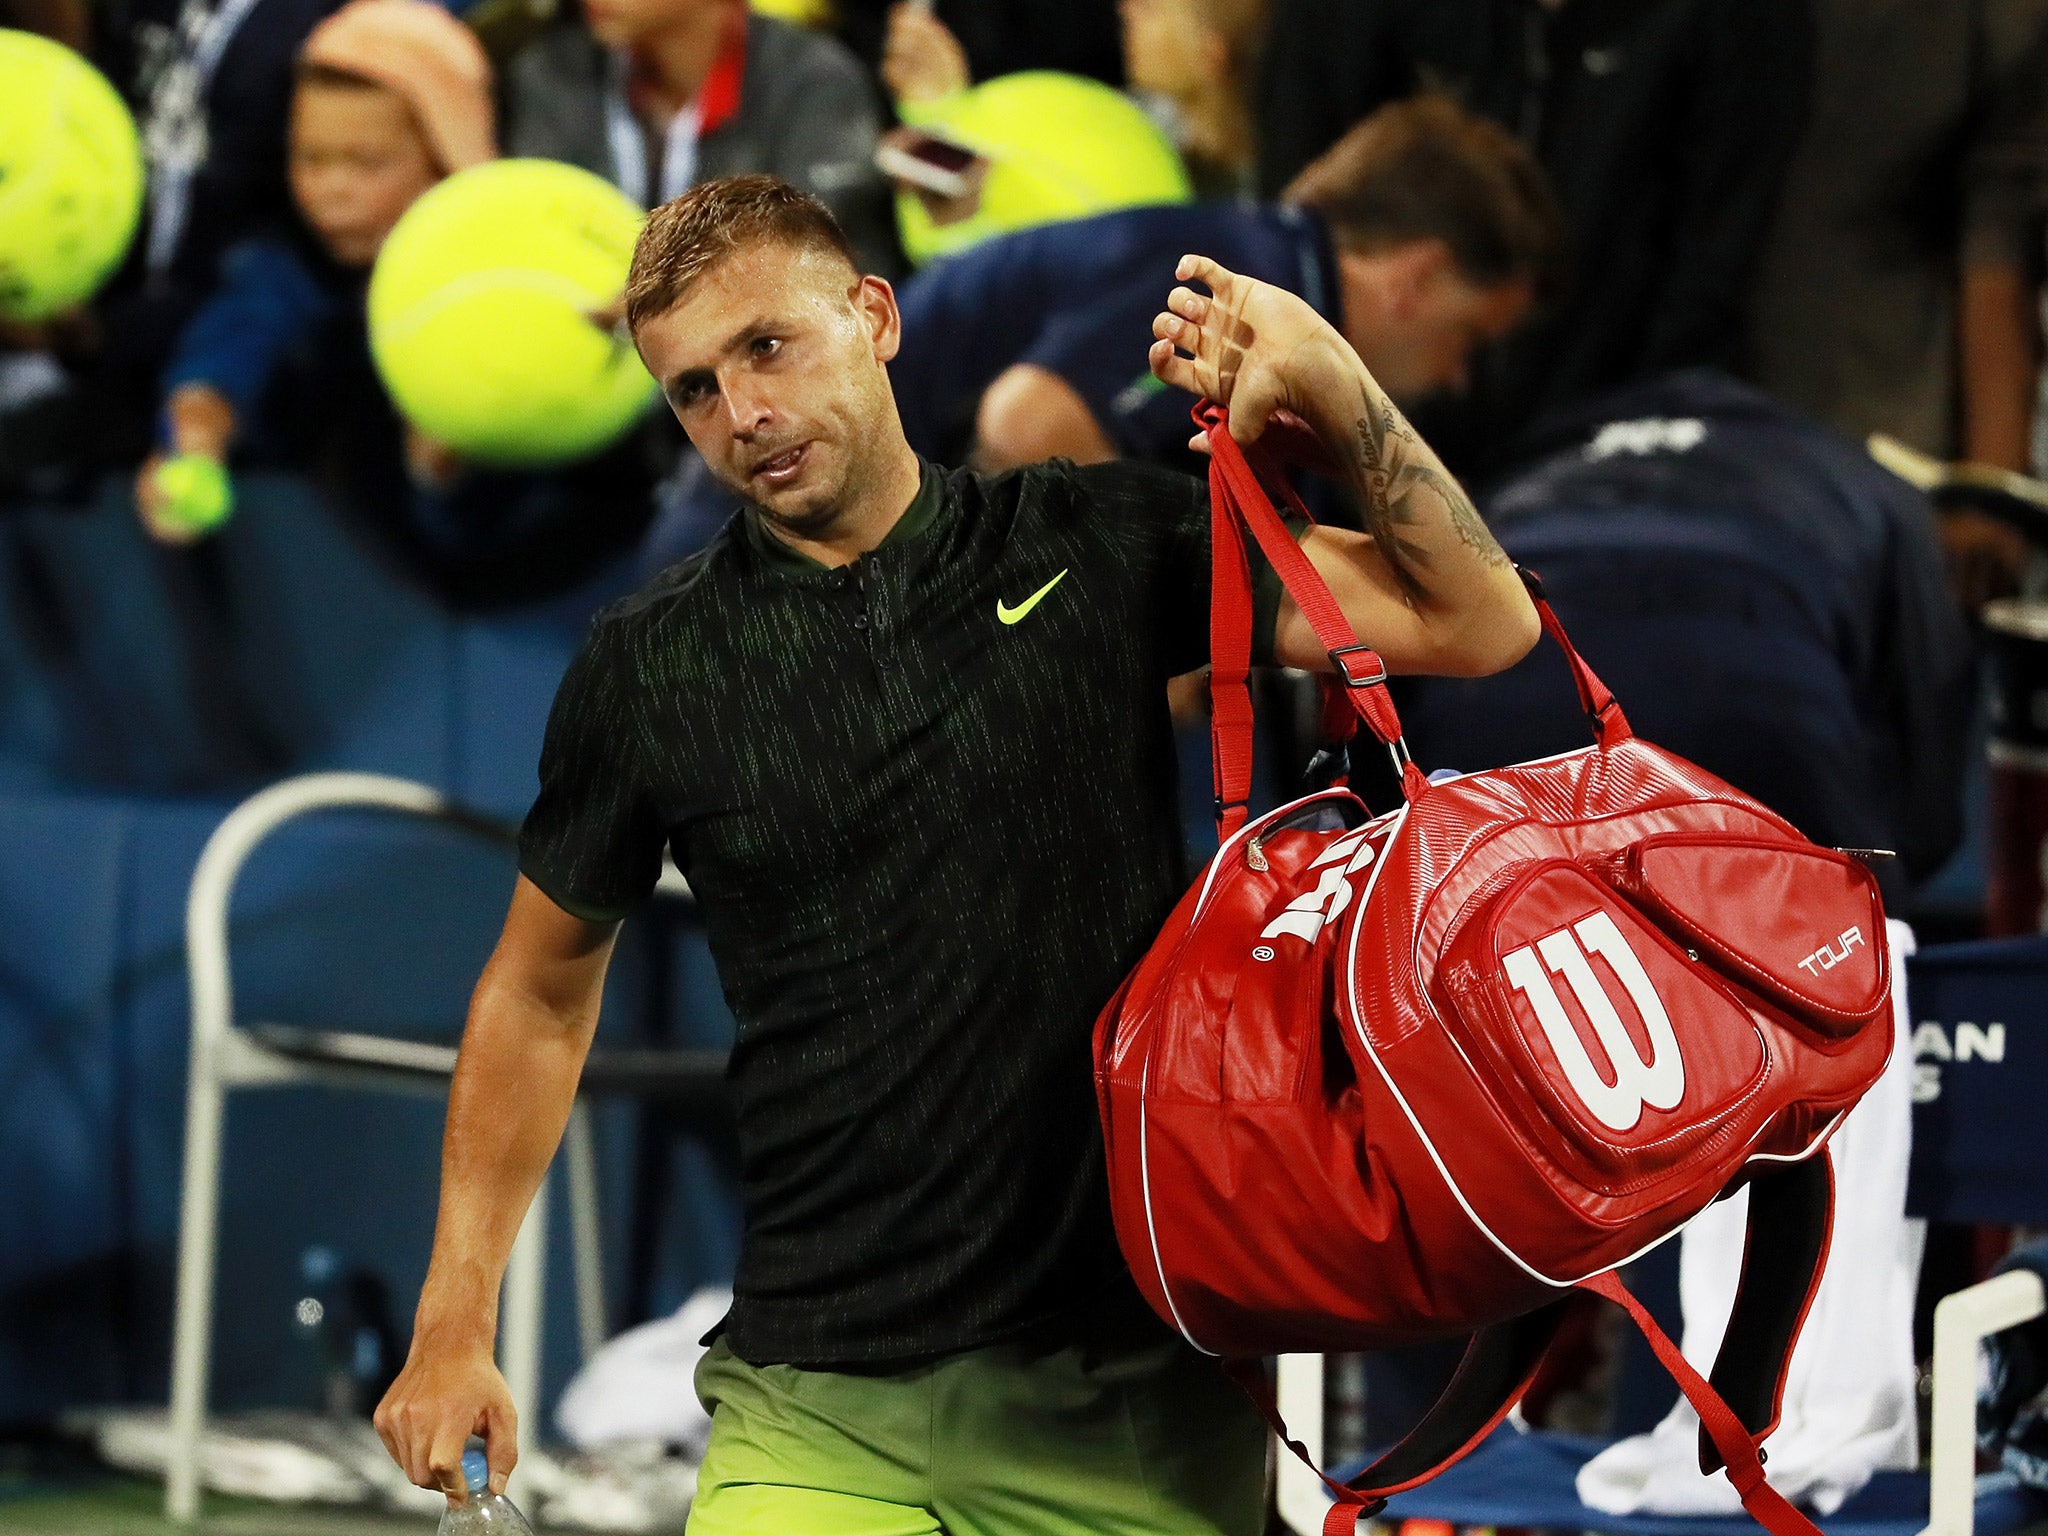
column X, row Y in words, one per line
column 1427, row 169
column 686, row 237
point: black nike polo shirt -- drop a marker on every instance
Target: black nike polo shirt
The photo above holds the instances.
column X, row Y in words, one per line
column 928, row 803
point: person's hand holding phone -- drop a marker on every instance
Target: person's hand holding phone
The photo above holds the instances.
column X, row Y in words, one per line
column 946, row 177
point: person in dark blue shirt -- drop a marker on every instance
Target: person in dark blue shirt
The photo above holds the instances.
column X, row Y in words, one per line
column 1761, row 596
column 1665, row 126
column 1423, row 233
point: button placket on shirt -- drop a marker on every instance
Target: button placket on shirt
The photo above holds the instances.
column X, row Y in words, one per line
column 870, row 618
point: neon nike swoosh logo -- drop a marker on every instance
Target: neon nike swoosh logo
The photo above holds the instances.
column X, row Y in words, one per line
column 1014, row 615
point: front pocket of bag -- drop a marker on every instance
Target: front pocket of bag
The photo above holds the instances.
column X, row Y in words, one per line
column 1617, row 1056
column 1802, row 925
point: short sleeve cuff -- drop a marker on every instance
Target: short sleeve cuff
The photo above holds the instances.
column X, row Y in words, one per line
column 550, row 884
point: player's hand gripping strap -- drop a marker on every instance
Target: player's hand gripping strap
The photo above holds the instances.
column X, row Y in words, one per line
column 1790, row 1217
column 1238, row 502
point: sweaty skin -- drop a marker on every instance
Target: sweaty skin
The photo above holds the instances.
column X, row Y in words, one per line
column 776, row 363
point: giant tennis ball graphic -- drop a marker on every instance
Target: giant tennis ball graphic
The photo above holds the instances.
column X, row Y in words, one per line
column 70, row 178
column 479, row 314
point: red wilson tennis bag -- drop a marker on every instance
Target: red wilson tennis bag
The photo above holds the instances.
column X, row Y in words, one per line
column 1430, row 1074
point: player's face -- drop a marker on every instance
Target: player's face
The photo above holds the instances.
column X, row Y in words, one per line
column 358, row 161
column 774, row 364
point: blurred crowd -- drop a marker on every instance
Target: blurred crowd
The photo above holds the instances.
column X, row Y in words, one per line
column 1537, row 221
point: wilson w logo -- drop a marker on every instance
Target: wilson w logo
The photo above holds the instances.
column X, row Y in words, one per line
column 1658, row 1082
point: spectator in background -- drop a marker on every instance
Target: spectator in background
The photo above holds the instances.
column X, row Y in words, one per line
column 921, row 59
column 1191, row 61
column 68, row 21
column 1897, row 291
column 211, row 83
column 1423, row 233
column 1198, row 61
column 659, row 95
column 391, row 96
column 998, row 37
column 1762, row 598
column 1665, row 126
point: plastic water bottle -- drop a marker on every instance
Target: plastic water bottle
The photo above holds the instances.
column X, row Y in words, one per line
column 483, row 1513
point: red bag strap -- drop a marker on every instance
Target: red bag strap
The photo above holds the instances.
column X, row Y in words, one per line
column 1239, row 503
column 1610, row 725
column 1351, row 1506
column 1790, row 1218
column 1230, row 659
column 1498, row 1364
column 1740, row 1454
column 1497, row 1368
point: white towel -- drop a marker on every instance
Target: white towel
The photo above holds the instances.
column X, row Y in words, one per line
column 638, row 1387
column 1849, row 1406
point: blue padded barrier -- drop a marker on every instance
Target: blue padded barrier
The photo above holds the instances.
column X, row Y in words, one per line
column 131, row 673
column 280, row 646
column 65, row 1200
column 328, row 927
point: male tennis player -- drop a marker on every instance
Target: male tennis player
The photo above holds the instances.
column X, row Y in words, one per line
column 905, row 730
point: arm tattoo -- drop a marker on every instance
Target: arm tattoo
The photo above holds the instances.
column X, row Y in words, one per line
column 1397, row 476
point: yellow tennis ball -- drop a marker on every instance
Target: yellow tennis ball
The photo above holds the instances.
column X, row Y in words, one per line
column 1058, row 146
column 479, row 314
column 815, row 14
column 70, row 178
column 198, row 495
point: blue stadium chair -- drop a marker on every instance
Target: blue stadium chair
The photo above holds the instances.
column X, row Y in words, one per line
column 1980, row 1154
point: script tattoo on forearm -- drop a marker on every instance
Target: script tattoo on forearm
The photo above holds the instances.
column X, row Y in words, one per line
column 1399, row 478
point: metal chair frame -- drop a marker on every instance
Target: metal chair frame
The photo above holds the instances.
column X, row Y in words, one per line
column 226, row 1057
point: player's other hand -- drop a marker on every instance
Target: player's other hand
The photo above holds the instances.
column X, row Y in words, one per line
column 1250, row 346
column 442, row 1397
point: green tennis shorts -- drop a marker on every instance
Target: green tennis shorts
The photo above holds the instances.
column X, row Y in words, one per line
column 1010, row 1440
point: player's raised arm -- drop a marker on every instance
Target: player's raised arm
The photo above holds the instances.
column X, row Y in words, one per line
column 1426, row 586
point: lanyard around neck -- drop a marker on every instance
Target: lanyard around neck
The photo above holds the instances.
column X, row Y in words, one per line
column 716, row 103
column 179, row 148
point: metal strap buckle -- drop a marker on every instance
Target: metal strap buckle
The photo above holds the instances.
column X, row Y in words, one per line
column 1337, row 660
